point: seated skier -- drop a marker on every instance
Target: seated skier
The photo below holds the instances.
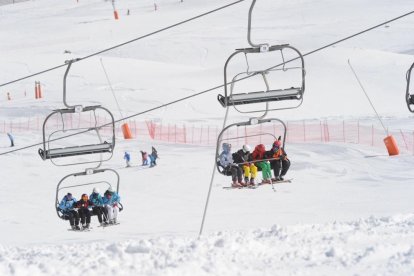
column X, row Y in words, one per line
column 110, row 201
column 144, row 157
column 243, row 158
column 281, row 163
column 98, row 208
column 66, row 206
column 259, row 154
column 229, row 168
column 84, row 213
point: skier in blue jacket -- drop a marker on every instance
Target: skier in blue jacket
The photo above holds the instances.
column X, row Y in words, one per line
column 110, row 201
column 229, row 168
column 98, row 208
column 127, row 158
column 66, row 206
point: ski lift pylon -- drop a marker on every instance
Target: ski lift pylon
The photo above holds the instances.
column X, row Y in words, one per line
column 409, row 96
column 107, row 146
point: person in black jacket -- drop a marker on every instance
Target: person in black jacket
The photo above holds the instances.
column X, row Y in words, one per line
column 85, row 214
column 244, row 159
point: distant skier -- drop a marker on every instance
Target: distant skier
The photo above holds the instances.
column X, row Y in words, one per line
column 98, row 209
column 144, row 156
column 110, row 201
column 127, row 158
column 11, row 139
column 281, row 163
column 226, row 161
column 85, row 214
column 153, row 157
column 66, row 206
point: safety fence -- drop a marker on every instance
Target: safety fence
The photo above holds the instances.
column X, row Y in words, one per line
column 306, row 131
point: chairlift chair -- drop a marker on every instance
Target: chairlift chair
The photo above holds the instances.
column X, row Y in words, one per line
column 63, row 185
column 251, row 122
column 269, row 94
column 99, row 147
column 409, row 97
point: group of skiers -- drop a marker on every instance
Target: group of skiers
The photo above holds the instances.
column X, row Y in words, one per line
column 105, row 207
column 246, row 163
column 147, row 159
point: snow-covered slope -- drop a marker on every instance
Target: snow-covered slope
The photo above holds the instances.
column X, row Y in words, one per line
column 347, row 211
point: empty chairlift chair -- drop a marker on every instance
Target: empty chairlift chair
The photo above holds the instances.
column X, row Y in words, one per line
column 98, row 142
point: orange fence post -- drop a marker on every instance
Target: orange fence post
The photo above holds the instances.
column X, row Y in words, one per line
column 116, row 14
column 8, row 96
column 36, row 91
column 391, row 145
column 126, row 131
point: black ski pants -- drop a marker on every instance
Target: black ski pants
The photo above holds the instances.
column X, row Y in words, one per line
column 99, row 211
column 85, row 215
column 72, row 216
column 278, row 165
column 236, row 172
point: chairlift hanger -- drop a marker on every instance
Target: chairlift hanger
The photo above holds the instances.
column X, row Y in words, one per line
column 59, row 187
column 269, row 95
column 410, row 97
column 103, row 147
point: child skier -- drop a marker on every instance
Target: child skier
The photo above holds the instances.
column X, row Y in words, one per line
column 243, row 157
column 153, row 157
column 85, row 215
column 127, row 158
column 258, row 155
column 66, row 207
column 281, row 161
column 110, row 201
column 226, row 161
column 98, row 209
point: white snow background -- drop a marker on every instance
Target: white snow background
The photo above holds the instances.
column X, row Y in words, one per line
column 348, row 210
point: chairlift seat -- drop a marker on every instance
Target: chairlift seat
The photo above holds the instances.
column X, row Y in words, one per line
column 292, row 93
column 77, row 150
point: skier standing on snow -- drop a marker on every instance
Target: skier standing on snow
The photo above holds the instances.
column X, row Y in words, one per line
column 258, row 155
column 153, row 157
column 243, row 158
column 85, row 215
column 281, row 161
column 11, row 139
column 66, row 206
column 226, row 161
column 144, row 156
column 98, row 208
column 110, row 201
column 127, row 158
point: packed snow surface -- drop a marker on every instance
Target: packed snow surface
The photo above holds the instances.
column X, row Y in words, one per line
column 348, row 210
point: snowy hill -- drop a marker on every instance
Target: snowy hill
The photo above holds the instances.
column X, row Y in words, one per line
column 348, row 209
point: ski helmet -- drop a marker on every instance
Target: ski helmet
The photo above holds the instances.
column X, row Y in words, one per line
column 69, row 196
column 246, row 148
column 110, row 189
column 95, row 190
column 277, row 143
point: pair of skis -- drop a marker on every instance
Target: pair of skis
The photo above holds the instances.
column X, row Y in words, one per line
column 260, row 184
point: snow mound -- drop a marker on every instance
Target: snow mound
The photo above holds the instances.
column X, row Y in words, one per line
column 374, row 246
